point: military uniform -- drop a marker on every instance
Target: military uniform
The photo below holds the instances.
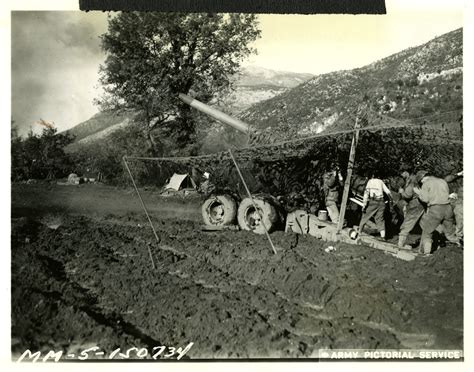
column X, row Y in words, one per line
column 435, row 193
column 413, row 210
column 455, row 183
column 331, row 193
column 374, row 204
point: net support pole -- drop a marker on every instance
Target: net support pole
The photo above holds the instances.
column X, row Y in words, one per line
column 350, row 166
column 253, row 202
column 144, row 208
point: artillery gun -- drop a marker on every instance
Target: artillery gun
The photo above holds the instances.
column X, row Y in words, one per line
column 226, row 209
column 261, row 212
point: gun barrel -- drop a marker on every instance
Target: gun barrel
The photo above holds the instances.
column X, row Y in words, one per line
column 216, row 114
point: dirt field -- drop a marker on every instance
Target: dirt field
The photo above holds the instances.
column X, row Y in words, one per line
column 89, row 282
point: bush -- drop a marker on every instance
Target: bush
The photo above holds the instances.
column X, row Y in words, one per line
column 107, row 157
column 40, row 156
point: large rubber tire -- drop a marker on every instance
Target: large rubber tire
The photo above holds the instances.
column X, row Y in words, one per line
column 219, row 210
column 249, row 219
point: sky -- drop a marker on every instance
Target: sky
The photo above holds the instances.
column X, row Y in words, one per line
column 56, row 55
column 55, row 63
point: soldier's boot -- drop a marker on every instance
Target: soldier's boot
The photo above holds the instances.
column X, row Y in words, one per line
column 452, row 238
column 426, row 246
column 402, row 239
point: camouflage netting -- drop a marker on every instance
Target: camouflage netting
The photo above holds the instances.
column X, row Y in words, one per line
column 293, row 170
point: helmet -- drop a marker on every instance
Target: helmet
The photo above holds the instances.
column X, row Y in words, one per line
column 206, row 175
column 420, row 175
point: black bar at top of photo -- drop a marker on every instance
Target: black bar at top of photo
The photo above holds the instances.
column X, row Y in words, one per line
column 241, row 6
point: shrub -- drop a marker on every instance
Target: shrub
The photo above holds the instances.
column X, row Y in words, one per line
column 40, row 156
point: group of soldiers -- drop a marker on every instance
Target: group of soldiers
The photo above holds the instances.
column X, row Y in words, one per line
column 421, row 198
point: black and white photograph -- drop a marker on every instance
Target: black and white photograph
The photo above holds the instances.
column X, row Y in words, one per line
column 237, row 186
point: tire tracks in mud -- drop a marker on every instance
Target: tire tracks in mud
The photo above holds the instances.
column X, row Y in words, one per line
column 311, row 311
column 406, row 339
column 63, row 290
column 264, row 309
column 81, row 299
column 311, row 331
column 263, row 314
column 200, row 270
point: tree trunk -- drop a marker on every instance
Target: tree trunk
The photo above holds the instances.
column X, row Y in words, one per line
column 186, row 126
column 155, row 148
column 152, row 145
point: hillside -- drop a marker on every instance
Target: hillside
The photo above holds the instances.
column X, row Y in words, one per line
column 254, row 76
column 96, row 124
column 253, row 84
column 418, row 81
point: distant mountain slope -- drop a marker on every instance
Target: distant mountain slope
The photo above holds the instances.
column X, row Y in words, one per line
column 415, row 82
column 96, row 124
column 254, row 76
column 253, row 84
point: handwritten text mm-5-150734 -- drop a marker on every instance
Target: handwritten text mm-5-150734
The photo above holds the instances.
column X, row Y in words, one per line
column 95, row 352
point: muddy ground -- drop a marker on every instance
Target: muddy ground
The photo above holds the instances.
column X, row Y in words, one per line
column 82, row 276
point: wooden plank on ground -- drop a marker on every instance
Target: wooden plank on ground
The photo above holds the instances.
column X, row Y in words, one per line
column 387, row 247
column 219, row 228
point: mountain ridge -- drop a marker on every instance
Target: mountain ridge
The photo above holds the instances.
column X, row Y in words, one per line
column 416, row 81
column 253, row 84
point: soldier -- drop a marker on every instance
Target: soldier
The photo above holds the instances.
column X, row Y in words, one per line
column 456, row 199
column 331, row 185
column 207, row 187
column 413, row 210
column 374, row 204
column 435, row 193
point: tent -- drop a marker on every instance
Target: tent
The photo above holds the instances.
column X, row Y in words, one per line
column 180, row 181
column 73, row 179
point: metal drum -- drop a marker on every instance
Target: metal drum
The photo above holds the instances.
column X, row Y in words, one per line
column 323, row 215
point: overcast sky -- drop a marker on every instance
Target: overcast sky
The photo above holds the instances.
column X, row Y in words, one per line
column 56, row 55
column 55, row 62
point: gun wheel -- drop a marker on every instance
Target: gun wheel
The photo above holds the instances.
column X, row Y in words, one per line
column 219, row 210
column 250, row 218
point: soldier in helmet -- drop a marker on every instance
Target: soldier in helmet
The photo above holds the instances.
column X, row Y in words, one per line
column 434, row 193
column 413, row 209
column 331, row 186
column 374, row 204
column 455, row 183
column 207, row 187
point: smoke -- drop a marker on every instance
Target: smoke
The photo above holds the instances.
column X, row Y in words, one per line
column 55, row 63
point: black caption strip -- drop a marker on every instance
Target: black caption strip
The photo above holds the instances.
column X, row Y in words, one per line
column 241, row 6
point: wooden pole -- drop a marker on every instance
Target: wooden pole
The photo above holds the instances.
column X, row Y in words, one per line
column 347, row 184
column 146, row 212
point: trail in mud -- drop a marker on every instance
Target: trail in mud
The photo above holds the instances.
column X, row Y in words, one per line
column 90, row 282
